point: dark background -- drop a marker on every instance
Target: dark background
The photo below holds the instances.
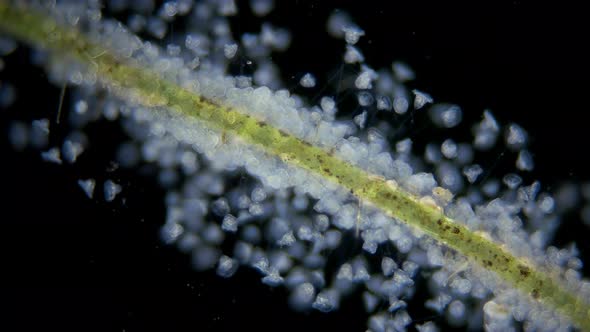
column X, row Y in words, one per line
column 70, row 263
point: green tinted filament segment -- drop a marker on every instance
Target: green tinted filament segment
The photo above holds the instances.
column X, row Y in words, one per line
column 127, row 78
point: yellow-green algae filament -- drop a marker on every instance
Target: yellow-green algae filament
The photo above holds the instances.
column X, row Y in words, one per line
column 125, row 76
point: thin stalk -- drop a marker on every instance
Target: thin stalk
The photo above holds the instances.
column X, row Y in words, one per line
column 124, row 74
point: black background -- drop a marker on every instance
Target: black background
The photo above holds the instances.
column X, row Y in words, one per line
column 70, row 263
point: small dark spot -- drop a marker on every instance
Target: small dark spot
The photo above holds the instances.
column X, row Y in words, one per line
column 283, row 133
column 208, row 101
column 524, row 271
column 262, row 124
column 487, row 263
column 439, row 222
column 456, row 230
column 535, row 293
